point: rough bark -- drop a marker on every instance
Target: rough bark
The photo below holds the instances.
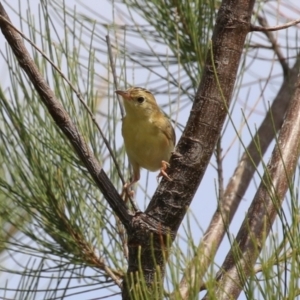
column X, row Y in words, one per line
column 147, row 249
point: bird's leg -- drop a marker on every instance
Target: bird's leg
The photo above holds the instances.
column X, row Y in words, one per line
column 164, row 166
column 127, row 193
column 127, row 188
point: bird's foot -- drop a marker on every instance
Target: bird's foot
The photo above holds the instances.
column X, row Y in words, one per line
column 163, row 173
column 128, row 195
column 127, row 191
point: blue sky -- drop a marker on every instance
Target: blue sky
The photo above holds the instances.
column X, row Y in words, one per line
column 205, row 201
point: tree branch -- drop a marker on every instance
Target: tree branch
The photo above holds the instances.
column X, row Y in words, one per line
column 238, row 185
column 193, row 152
column 262, row 21
column 63, row 120
column 275, row 28
column 265, row 206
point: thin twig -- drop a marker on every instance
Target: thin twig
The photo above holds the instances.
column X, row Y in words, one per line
column 220, row 168
column 274, row 28
column 113, row 70
column 63, row 121
column 238, row 185
column 265, row 207
column 263, row 22
column 79, row 96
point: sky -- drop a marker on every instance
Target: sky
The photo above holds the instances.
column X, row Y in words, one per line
column 203, row 205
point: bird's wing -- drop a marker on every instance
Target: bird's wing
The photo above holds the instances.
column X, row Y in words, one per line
column 166, row 128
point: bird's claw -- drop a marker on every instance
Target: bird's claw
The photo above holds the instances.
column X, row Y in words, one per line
column 163, row 173
column 127, row 192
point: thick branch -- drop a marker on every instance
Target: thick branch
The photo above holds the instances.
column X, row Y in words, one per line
column 265, row 206
column 63, row 120
column 238, row 185
column 193, row 152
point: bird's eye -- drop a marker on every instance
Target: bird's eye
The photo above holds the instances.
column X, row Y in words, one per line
column 140, row 99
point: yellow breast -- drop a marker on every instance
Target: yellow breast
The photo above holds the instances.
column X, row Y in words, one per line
column 148, row 135
column 146, row 142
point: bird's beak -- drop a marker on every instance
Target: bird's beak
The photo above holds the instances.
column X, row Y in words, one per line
column 124, row 94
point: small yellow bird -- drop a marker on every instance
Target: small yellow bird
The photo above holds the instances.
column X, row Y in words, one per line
column 148, row 134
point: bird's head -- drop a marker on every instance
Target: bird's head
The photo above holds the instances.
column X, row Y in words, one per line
column 138, row 102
